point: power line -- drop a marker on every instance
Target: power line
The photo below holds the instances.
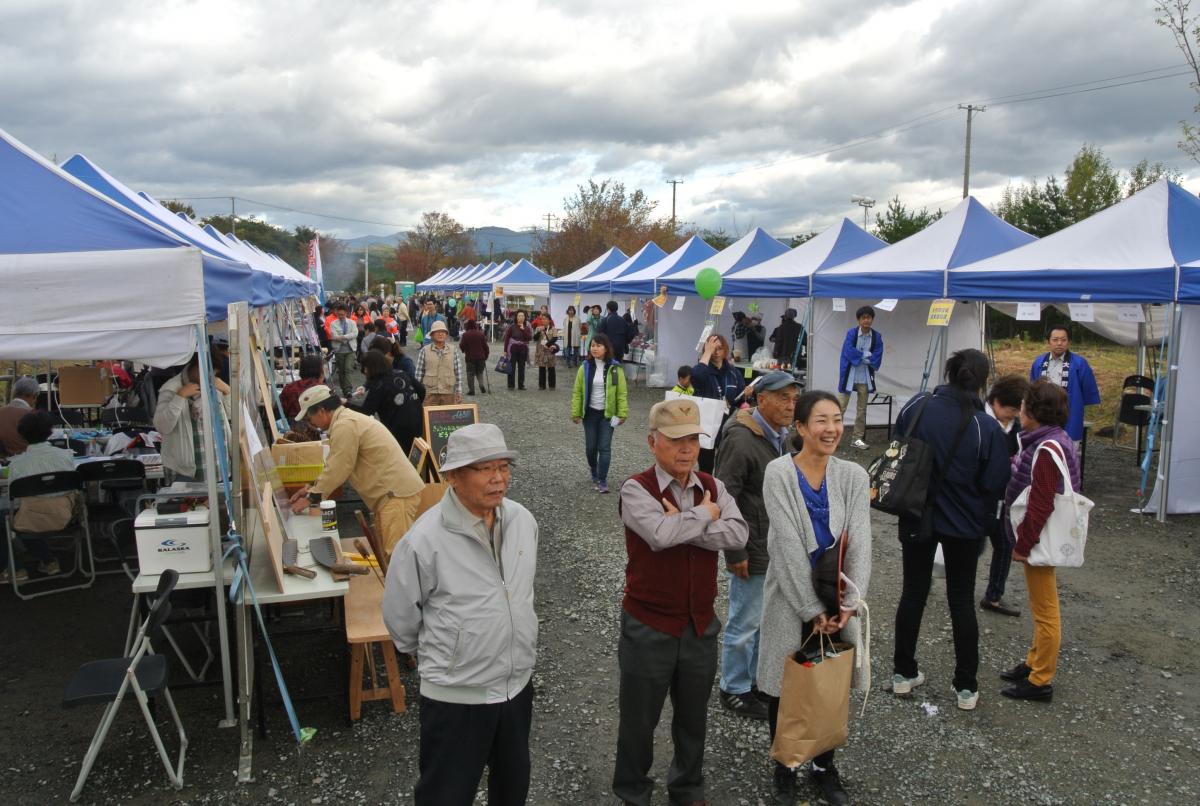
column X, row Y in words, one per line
column 295, row 210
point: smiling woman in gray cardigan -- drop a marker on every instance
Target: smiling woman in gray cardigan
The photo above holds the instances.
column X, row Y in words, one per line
column 790, row 600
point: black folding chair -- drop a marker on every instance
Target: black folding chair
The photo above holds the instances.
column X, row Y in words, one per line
column 58, row 483
column 144, row 672
column 125, row 416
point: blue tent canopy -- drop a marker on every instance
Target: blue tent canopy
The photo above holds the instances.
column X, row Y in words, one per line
column 569, row 284
column 915, row 268
column 601, row 282
column 751, row 249
column 1127, row 253
column 643, row 282
column 524, row 278
column 483, row 282
column 790, row 274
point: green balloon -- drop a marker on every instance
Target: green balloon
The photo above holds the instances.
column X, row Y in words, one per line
column 708, row 282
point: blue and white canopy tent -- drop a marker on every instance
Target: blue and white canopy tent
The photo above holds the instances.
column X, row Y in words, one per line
column 523, row 280
column 678, row 331
column 1145, row 249
column 644, row 282
column 563, row 289
column 483, row 282
column 908, row 274
column 790, row 273
column 61, row 242
column 596, row 288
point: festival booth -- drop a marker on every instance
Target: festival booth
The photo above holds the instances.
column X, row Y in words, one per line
column 1143, row 250
column 902, row 280
column 564, row 290
column 645, row 281
column 683, row 317
column 522, row 285
column 61, row 241
column 597, row 289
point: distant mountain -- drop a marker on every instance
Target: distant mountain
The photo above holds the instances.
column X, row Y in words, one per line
column 488, row 240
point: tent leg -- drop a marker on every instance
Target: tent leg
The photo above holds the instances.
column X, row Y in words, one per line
column 1164, row 454
column 214, row 519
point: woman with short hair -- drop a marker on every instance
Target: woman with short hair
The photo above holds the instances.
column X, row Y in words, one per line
column 394, row 396
column 600, row 396
column 716, row 377
column 1044, row 415
column 517, row 337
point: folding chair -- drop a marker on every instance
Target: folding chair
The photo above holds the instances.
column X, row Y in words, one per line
column 61, row 482
column 1137, row 390
column 123, row 479
column 146, row 673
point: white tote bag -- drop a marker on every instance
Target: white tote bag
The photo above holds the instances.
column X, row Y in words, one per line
column 1064, row 536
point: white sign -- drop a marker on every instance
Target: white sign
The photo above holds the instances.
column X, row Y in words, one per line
column 1130, row 313
column 704, row 334
column 1082, row 311
column 678, row 306
column 888, row 305
column 251, row 433
column 1029, row 311
column 839, row 304
column 711, row 414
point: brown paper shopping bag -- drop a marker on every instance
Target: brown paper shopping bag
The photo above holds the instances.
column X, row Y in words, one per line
column 814, row 704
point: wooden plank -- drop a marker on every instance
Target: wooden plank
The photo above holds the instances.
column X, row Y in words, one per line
column 364, row 613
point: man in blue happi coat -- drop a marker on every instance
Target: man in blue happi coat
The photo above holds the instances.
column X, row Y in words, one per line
column 1070, row 371
column 862, row 355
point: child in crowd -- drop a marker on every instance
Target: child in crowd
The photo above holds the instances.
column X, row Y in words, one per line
column 684, row 386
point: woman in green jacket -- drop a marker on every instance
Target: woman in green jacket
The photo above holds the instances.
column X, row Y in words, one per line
column 601, row 402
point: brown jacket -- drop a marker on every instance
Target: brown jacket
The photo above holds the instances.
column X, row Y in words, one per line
column 11, row 443
column 364, row 452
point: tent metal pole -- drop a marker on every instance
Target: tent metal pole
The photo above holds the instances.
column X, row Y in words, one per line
column 245, row 670
column 214, row 518
column 1164, row 454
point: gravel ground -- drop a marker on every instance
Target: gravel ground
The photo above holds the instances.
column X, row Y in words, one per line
column 1122, row 727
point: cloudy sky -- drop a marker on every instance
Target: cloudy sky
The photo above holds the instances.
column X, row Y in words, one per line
column 771, row 113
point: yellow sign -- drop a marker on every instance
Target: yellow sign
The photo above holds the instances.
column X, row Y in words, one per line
column 939, row 313
column 661, row 299
column 717, row 307
column 632, row 303
column 577, row 296
column 499, row 291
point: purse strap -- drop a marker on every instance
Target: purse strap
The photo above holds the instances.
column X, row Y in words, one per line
column 1059, row 460
column 908, row 432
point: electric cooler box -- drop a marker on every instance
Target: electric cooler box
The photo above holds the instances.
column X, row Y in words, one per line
column 178, row 541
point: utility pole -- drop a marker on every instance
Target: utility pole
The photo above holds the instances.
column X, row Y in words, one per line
column 971, row 110
column 673, row 183
column 549, row 218
column 491, row 248
column 233, row 216
column 366, row 270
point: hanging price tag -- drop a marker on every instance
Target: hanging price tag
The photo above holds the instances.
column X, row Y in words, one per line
column 1029, row 311
column 717, row 307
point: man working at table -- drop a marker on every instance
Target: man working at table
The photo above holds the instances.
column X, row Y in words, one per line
column 25, row 392
column 363, row 451
column 459, row 594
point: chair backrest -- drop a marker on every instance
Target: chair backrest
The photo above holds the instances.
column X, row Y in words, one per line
column 1137, row 390
column 112, row 470
column 161, row 609
column 62, row 481
column 125, row 416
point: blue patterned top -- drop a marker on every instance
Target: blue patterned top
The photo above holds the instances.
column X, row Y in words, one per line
column 817, row 502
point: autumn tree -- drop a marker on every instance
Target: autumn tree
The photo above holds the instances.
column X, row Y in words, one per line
column 436, row 243
column 1175, row 16
column 898, row 222
column 600, row 216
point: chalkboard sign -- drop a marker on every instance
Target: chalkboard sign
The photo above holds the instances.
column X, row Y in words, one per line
column 441, row 422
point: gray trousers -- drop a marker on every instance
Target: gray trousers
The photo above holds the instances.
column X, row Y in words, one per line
column 343, row 365
column 862, row 397
column 654, row 664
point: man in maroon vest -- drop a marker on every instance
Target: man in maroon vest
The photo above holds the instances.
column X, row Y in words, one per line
column 676, row 520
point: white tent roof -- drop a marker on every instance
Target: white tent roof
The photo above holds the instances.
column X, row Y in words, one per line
column 604, row 262
column 752, row 248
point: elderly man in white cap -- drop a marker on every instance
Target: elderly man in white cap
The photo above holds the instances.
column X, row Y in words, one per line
column 440, row 368
column 459, row 595
column 676, row 520
column 363, row 451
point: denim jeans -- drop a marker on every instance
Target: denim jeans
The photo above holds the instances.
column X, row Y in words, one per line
column 597, row 435
column 571, row 354
column 739, row 649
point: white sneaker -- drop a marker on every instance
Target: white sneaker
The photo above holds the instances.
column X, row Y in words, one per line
column 967, row 700
column 903, row 685
column 858, row 443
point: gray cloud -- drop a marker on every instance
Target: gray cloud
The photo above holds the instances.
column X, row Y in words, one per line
column 502, row 109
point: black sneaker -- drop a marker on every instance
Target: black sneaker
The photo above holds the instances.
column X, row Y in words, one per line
column 830, row 784
column 1017, row 673
column 746, row 705
column 1024, row 690
column 785, row 786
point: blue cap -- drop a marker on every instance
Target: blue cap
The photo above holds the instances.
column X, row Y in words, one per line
column 775, row 380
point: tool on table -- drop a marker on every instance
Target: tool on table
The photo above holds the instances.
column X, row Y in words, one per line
column 291, row 561
column 325, row 551
column 364, row 551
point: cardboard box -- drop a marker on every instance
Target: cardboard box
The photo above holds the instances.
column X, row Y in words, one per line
column 178, row 541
